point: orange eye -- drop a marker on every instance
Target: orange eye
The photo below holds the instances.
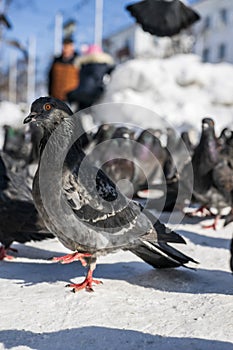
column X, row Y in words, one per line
column 47, row 107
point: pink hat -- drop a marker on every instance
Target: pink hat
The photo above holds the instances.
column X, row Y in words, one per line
column 93, row 49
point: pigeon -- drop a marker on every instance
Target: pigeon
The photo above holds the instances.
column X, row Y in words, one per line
column 84, row 208
column 22, row 144
column 162, row 17
column 111, row 150
column 213, row 172
column 119, row 164
column 14, row 142
column 224, row 137
column 139, row 160
column 104, row 132
column 20, row 221
column 186, row 139
column 179, row 149
column 227, row 154
column 231, row 259
column 151, row 156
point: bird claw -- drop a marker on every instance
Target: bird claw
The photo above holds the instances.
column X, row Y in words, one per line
column 79, row 286
column 86, row 284
column 213, row 225
column 4, row 255
column 69, row 258
column 202, row 210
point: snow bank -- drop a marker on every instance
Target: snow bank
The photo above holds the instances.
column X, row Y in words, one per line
column 181, row 89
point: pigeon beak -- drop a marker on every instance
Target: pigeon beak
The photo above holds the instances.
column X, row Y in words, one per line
column 30, row 118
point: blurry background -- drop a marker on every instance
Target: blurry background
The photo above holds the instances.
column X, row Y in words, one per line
column 181, row 78
column 36, row 25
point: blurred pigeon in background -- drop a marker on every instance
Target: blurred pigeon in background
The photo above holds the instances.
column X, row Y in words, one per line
column 231, row 252
column 20, row 221
column 213, row 172
column 163, row 17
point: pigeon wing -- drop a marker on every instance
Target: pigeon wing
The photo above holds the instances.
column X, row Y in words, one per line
column 96, row 201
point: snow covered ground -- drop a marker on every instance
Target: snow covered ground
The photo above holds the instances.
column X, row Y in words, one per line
column 137, row 306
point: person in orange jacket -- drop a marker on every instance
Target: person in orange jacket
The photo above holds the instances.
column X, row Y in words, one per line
column 63, row 74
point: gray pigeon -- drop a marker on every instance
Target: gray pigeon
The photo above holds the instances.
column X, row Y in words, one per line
column 213, row 172
column 19, row 218
column 231, row 259
column 84, row 208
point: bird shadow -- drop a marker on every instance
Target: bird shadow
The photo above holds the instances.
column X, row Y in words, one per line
column 32, row 252
column 203, row 240
column 94, row 337
column 138, row 273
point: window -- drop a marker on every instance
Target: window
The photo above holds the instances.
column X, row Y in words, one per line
column 222, row 51
column 206, row 55
column 207, row 22
column 223, row 16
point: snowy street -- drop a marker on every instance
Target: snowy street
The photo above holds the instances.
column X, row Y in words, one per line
column 136, row 306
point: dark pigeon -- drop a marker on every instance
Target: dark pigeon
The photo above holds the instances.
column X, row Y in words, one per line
column 163, row 18
column 227, row 155
column 151, row 157
column 231, row 252
column 20, row 221
column 111, row 150
column 224, row 137
column 84, row 208
column 213, row 172
column 104, row 132
column 22, row 144
column 119, row 164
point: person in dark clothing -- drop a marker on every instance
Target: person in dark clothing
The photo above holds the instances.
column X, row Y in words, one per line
column 63, row 74
column 95, row 65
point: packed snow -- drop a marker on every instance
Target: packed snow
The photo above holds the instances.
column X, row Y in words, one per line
column 180, row 89
column 137, row 306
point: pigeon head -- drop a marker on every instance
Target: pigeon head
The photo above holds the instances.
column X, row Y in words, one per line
column 226, row 133
column 48, row 112
column 123, row 132
column 207, row 123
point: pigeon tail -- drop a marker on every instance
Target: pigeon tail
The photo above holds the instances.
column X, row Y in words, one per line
column 161, row 255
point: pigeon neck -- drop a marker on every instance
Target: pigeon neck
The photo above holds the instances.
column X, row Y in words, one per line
column 63, row 141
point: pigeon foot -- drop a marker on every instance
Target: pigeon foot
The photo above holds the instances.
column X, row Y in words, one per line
column 202, row 210
column 213, row 225
column 4, row 255
column 86, row 284
column 69, row 258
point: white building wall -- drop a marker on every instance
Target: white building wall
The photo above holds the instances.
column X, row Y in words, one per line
column 210, row 37
column 120, row 40
column 140, row 43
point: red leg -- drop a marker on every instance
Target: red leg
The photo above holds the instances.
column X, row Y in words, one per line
column 86, row 284
column 3, row 254
column 69, row 258
column 202, row 210
column 213, row 225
